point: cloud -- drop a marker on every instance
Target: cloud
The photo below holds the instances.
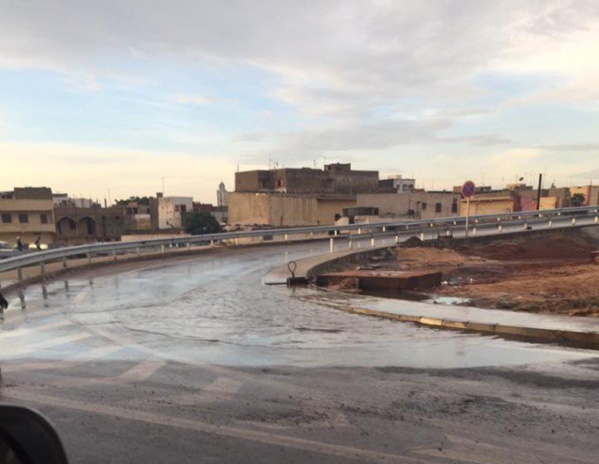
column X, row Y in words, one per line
column 520, row 154
column 331, row 57
column 190, row 99
column 357, row 79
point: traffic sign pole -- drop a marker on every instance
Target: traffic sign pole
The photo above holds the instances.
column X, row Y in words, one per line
column 468, row 190
column 467, row 214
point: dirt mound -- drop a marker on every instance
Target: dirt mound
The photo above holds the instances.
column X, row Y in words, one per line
column 554, row 248
column 424, row 257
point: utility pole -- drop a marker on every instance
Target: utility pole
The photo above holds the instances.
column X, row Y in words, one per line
column 539, row 192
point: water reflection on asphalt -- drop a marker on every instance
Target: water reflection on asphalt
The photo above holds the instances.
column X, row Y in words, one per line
column 215, row 309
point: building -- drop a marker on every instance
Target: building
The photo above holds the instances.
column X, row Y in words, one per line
column 412, row 205
column 336, row 179
column 28, row 213
column 297, row 197
column 496, row 202
column 589, row 192
column 397, row 184
column 76, row 225
column 63, row 199
column 286, row 210
column 171, row 211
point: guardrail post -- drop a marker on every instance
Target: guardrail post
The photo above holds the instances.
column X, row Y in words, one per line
column 43, row 268
column 64, row 262
column 474, row 231
column 311, row 234
column 286, row 237
column 397, row 238
column 236, row 241
column 212, row 241
column 573, row 221
column 138, row 251
column 359, row 230
column 188, row 246
column 350, row 244
column 162, row 249
column 372, row 242
column 384, row 228
column 500, row 228
column 596, row 218
column 89, row 259
column 422, row 236
column 550, row 223
column 331, row 245
column 19, row 274
column 114, row 255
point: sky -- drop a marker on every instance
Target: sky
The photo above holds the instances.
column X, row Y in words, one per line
column 113, row 98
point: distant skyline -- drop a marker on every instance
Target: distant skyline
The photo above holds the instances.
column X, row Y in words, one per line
column 118, row 94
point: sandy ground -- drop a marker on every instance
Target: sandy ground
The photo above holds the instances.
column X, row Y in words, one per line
column 543, row 275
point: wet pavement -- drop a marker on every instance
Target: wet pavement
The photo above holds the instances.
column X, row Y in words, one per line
column 215, row 309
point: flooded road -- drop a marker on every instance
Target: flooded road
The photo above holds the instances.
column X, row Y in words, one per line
column 215, row 309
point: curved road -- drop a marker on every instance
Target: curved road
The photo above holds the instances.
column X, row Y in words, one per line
column 195, row 360
column 214, row 309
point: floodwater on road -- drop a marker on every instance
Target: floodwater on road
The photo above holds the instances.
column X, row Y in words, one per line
column 214, row 309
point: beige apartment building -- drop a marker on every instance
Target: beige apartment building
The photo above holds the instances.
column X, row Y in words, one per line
column 27, row 212
column 286, row 210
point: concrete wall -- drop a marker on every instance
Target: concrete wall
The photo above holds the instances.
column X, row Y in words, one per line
column 420, row 205
column 328, row 208
column 249, row 208
column 284, row 210
column 497, row 205
column 171, row 211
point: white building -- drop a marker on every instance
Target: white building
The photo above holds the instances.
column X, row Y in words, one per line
column 171, row 211
column 402, row 185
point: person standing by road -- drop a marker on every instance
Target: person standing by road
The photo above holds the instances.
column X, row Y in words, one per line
column 38, row 243
column 19, row 244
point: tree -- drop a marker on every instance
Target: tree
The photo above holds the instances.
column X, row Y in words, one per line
column 577, row 199
column 197, row 223
column 134, row 199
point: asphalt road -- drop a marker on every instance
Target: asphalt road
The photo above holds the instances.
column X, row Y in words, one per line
column 196, row 361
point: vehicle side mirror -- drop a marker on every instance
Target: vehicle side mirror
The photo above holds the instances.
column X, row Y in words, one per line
column 27, row 437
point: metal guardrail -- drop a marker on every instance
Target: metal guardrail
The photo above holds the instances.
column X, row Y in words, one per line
column 374, row 229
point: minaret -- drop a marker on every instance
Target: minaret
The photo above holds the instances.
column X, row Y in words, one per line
column 221, row 196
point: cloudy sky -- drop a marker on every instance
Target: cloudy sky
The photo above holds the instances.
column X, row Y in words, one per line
column 110, row 97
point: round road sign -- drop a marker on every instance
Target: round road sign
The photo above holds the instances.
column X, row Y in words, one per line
column 468, row 189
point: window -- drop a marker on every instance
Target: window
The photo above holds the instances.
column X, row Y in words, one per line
column 23, row 218
column 44, row 218
column 438, row 207
column 6, row 218
column 423, row 205
column 454, row 206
